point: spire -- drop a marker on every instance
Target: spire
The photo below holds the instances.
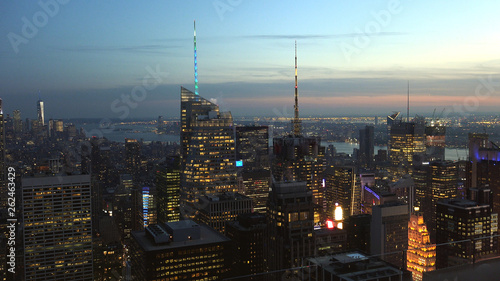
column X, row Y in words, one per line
column 195, row 64
column 408, row 104
column 296, row 120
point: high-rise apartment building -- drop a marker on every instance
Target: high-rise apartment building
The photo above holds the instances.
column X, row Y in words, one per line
column 421, row 254
column 57, row 228
column 207, row 151
column 168, row 187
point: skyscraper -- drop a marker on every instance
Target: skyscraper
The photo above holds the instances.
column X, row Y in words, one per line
column 3, row 185
column 389, row 232
column 207, row 150
column 421, row 255
column 341, row 188
column 252, row 147
column 18, row 124
column 40, row 112
column 435, row 141
column 298, row 157
column 168, row 186
column 366, row 146
column 406, row 140
column 434, row 181
column 57, row 228
column 132, row 158
column 462, row 219
column 290, row 225
column 248, row 234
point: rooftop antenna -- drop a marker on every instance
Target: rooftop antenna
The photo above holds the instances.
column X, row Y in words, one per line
column 39, row 95
column 296, row 120
column 195, row 64
column 408, row 104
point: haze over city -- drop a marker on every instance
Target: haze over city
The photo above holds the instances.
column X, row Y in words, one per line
column 352, row 58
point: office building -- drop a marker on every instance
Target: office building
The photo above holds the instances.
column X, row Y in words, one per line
column 181, row 250
column 389, row 232
column 341, row 189
column 329, row 239
column 256, row 185
column 215, row 210
column 208, row 162
column 247, row 234
column 407, row 139
column 435, row 141
column 168, row 187
column 133, row 158
column 421, row 254
column 463, row 219
column 252, row 147
column 57, row 228
column 434, row 181
column 290, row 223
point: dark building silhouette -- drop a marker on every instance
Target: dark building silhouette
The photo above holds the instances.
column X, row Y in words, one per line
column 247, row 234
column 290, row 222
column 358, row 232
column 366, row 146
column 133, row 158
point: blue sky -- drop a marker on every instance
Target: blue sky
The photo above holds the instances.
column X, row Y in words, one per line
column 84, row 57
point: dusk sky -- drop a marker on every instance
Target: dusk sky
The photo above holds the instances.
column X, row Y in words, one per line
column 87, row 57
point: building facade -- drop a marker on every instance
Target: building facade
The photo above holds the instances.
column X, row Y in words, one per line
column 57, row 228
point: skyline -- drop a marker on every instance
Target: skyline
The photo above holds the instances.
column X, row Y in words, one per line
column 82, row 65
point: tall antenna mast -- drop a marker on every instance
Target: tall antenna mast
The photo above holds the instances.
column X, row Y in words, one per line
column 408, row 104
column 195, row 64
column 296, row 120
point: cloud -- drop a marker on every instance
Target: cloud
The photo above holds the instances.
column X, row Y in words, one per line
column 155, row 48
column 316, row 36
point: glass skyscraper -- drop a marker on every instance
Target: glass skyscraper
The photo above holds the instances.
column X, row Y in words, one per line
column 207, row 151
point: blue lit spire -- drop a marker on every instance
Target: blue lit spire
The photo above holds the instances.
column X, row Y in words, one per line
column 195, row 64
